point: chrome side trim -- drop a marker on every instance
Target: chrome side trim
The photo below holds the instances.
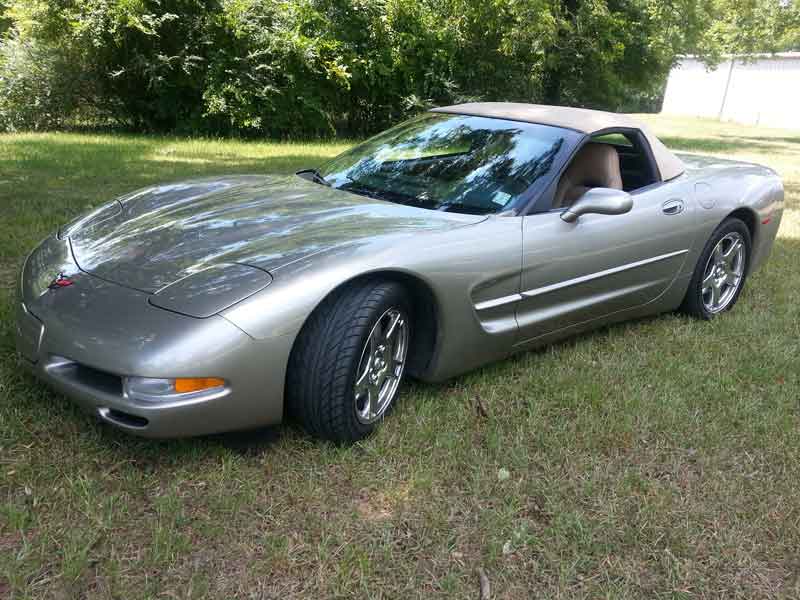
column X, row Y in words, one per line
column 488, row 304
column 498, row 302
column 592, row 276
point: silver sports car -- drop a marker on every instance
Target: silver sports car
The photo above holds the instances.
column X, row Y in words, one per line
column 449, row 241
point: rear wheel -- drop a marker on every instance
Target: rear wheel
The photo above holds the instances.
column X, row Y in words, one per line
column 720, row 273
column 349, row 360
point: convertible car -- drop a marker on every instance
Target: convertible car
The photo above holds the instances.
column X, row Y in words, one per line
column 451, row 240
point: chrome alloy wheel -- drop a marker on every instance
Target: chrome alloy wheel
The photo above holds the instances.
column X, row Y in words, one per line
column 381, row 366
column 724, row 273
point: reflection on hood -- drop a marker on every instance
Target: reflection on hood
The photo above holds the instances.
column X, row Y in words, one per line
column 164, row 233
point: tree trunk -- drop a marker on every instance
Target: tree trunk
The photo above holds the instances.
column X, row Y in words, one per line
column 552, row 88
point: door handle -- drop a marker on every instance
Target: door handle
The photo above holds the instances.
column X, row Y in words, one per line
column 672, row 207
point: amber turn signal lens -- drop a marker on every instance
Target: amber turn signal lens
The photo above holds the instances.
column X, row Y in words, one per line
column 195, row 384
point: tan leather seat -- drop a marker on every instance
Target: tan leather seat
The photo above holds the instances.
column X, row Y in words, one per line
column 595, row 165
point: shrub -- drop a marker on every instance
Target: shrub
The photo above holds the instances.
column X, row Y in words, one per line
column 38, row 88
column 318, row 67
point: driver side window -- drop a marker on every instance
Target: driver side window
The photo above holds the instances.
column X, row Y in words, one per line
column 614, row 160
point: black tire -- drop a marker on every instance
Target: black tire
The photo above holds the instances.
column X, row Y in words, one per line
column 321, row 379
column 693, row 303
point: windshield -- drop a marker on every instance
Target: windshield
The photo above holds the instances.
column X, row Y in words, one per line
column 458, row 163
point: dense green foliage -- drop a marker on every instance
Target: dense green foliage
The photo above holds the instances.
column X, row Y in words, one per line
column 315, row 67
column 752, row 26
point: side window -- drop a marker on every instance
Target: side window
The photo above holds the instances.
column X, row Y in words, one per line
column 615, row 139
column 613, row 160
column 635, row 166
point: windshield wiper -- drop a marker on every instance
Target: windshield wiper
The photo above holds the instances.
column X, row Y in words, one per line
column 313, row 175
column 465, row 209
column 356, row 187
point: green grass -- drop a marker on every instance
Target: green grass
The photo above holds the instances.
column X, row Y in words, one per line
column 653, row 459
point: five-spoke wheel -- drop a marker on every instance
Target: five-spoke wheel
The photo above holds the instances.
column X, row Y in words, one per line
column 724, row 272
column 349, row 360
column 381, row 366
column 720, row 273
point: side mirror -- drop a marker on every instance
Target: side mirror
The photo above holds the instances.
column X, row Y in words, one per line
column 601, row 201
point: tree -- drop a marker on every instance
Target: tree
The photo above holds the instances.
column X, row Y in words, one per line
column 751, row 26
column 606, row 50
column 318, row 67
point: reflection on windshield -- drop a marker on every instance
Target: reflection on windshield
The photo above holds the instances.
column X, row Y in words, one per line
column 458, row 163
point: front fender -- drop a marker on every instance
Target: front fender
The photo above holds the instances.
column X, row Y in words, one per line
column 461, row 268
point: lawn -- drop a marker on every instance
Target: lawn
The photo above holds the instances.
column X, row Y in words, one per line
column 659, row 458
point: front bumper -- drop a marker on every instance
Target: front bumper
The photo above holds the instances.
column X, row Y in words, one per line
column 84, row 339
column 101, row 394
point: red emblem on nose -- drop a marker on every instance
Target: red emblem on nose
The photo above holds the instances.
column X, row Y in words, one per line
column 60, row 281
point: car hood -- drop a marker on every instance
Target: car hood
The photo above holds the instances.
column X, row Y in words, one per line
column 157, row 236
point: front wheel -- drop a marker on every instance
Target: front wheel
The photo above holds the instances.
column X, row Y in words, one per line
column 349, row 360
column 720, row 273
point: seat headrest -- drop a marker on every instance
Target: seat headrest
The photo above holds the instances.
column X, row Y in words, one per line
column 596, row 165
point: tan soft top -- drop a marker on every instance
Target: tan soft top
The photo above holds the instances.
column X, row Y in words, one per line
column 580, row 119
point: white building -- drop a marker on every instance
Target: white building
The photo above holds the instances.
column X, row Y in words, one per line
column 760, row 90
